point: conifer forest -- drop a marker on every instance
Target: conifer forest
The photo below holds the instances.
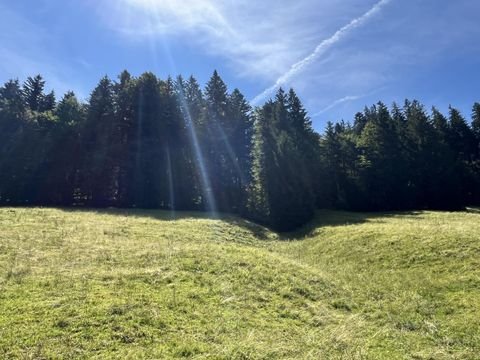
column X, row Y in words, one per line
column 145, row 142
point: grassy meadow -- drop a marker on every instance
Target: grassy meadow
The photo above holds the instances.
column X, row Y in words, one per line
column 125, row 284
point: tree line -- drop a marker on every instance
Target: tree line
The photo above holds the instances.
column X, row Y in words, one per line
column 144, row 142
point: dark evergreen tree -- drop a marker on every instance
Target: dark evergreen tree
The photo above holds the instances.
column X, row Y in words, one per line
column 58, row 183
column 282, row 184
column 329, row 187
column 125, row 139
column 12, row 125
column 47, row 102
column 150, row 185
column 476, row 121
column 462, row 139
column 359, row 123
column 219, row 153
column 240, row 143
column 193, row 115
column 307, row 143
column 474, row 167
column 33, row 92
column 380, row 161
column 98, row 183
column 263, row 164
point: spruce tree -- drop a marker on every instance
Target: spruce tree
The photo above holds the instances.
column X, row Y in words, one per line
column 262, row 157
column 380, row 160
column 462, row 139
column 64, row 159
column 476, row 121
column 240, row 143
column 12, row 125
column 150, row 183
column 98, row 183
column 33, row 92
column 193, row 114
column 281, row 181
column 218, row 151
column 126, row 138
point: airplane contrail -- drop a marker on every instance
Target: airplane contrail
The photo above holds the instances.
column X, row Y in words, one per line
column 338, row 102
column 347, row 99
column 320, row 49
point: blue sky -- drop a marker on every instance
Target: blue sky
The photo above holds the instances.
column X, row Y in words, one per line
column 339, row 55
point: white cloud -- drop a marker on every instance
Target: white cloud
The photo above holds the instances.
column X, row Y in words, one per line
column 262, row 39
column 169, row 16
column 259, row 39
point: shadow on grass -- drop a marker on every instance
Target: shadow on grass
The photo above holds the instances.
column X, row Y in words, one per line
column 322, row 218
column 257, row 230
column 330, row 218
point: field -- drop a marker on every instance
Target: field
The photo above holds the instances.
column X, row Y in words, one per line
column 156, row 285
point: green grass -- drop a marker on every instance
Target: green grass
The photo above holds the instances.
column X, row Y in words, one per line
column 137, row 284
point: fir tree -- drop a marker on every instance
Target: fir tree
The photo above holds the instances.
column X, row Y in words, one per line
column 33, row 92
column 97, row 172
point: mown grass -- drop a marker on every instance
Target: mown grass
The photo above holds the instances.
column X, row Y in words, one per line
column 146, row 284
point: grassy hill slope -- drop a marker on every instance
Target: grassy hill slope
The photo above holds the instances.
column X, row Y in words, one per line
column 137, row 284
